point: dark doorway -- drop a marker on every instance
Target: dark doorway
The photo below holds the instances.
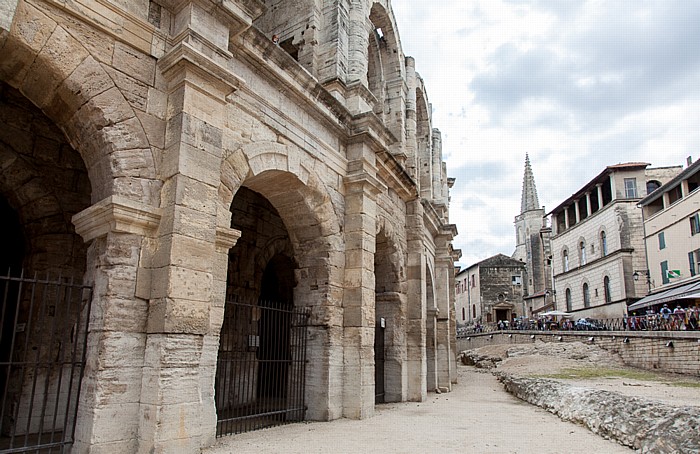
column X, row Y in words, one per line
column 379, row 359
column 501, row 315
column 274, row 354
column 10, row 265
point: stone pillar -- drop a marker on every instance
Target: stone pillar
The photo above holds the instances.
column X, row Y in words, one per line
column 436, row 167
column 119, row 231
column 188, row 278
column 566, row 217
column 359, row 30
column 359, row 296
column 444, row 300
column 577, row 211
column 588, row 204
column 411, row 116
column 613, row 189
column 416, row 313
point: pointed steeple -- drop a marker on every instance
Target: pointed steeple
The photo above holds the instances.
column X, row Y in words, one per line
column 529, row 199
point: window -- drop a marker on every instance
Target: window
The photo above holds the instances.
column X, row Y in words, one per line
column 464, row 314
column 516, row 280
column 566, row 260
column 473, row 310
column 586, row 296
column 695, row 224
column 569, row 306
column 603, row 243
column 664, row 272
column 473, row 282
column 694, row 262
column 631, row 188
column 606, row 289
column 652, row 186
column 662, row 241
column 582, row 247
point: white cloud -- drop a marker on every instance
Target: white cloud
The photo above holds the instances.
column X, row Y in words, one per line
column 576, row 84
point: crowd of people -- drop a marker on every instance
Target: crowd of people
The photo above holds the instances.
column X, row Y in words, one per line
column 678, row 319
column 666, row 319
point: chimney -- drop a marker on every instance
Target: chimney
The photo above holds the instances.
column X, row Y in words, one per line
column 689, row 161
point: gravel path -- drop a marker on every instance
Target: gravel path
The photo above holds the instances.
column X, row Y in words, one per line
column 479, row 416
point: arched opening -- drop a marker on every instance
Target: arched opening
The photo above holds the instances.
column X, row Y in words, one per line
column 431, row 331
column 586, row 296
column 43, row 183
column 260, row 366
column 389, row 340
column 606, row 289
column 384, row 66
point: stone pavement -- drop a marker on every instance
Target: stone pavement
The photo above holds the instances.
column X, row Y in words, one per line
column 479, row 416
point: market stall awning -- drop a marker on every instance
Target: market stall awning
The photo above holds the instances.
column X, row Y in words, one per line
column 687, row 291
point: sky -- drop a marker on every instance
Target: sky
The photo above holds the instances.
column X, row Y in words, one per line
column 576, row 84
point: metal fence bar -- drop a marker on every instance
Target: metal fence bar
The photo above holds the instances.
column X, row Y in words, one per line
column 261, row 366
column 40, row 393
column 689, row 320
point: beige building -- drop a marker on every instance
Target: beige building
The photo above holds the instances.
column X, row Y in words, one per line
column 598, row 241
column 672, row 236
column 490, row 291
column 256, row 231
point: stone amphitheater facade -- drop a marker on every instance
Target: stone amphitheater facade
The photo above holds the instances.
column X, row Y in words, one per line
column 171, row 155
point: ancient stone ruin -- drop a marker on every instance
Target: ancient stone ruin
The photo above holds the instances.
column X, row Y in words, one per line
column 220, row 225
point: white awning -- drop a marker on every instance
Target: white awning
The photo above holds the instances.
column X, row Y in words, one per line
column 687, row 291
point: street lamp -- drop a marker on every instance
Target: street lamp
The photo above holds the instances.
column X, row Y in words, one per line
column 637, row 273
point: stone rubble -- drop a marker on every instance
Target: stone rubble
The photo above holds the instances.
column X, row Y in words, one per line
column 644, row 424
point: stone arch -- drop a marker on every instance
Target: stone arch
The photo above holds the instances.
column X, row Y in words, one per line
column 390, row 306
column 304, row 207
column 386, row 71
column 431, row 327
column 568, row 300
column 45, row 182
column 424, row 137
column 52, row 67
column 604, row 242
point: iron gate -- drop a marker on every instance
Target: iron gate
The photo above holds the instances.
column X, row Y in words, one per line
column 261, row 367
column 43, row 338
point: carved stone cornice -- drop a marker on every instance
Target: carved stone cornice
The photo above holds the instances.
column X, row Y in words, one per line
column 365, row 181
column 116, row 214
column 226, row 238
column 185, row 64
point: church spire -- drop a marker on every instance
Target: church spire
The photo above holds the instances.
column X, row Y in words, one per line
column 529, row 199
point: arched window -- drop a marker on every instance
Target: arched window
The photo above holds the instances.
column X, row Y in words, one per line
column 473, row 310
column 586, row 296
column 464, row 314
column 582, row 253
column 569, row 305
column 652, row 186
column 565, row 256
column 606, row 289
column 603, row 243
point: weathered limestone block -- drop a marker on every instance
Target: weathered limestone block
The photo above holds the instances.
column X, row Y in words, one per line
column 57, row 60
column 32, row 30
column 642, row 424
column 134, row 63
